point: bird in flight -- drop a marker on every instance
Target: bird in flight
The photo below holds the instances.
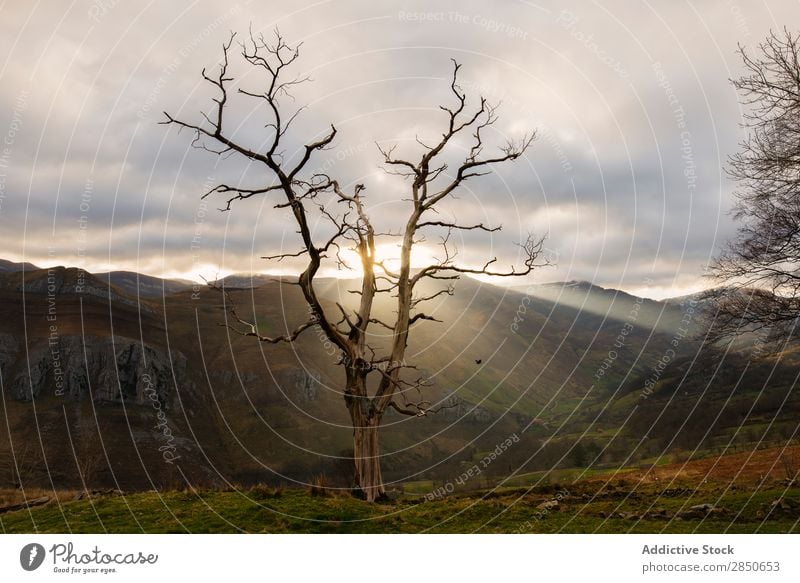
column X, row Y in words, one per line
column 478, row 360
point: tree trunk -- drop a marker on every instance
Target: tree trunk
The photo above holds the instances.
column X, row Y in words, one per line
column 367, row 461
column 366, row 452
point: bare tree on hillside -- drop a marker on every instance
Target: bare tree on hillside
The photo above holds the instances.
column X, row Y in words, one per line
column 761, row 266
column 306, row 194
column 87, row 450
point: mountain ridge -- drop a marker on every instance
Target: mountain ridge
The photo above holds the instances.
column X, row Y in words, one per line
column 552, row 372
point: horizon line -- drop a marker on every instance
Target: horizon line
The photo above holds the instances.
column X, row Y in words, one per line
column 661, row 293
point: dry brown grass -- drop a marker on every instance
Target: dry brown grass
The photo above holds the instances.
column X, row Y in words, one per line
column 15, row 496
column 741, row 467
column 320, row 486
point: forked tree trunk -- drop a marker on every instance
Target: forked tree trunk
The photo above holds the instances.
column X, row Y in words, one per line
column 366, row 452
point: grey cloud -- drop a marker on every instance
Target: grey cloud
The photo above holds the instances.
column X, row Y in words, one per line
column 613, row 90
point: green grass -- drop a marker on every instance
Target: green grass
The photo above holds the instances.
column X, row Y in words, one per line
column 260, row 510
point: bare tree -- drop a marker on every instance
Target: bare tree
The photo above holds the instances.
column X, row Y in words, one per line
column 8, row 466
column 87, row 450
column 303, row 192
column 789, row 461
column 26, row 468
column 761, row 266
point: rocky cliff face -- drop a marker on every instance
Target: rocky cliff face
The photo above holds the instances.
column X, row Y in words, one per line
column 8, row 351
column 456, row 409
column 289, row 384
column 301, row 383
column 75, row 367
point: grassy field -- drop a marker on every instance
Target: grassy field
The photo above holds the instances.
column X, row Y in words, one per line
column 620, row 502
column 511, row 511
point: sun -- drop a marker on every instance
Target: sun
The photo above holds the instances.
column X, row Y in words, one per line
column 389, row 254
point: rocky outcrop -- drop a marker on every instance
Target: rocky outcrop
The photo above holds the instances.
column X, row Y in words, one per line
column 75, row 367
column 300, row 384
column 8, row 350
column 271, row 387
column 456, row 409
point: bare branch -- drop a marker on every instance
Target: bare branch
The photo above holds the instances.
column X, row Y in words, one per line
column 411, row 411
column 281, row 256
column 382, row 323
column 241, row 193
column 532, row 249
column 422, row 316
column 449, row 290
column 250, row 328
column 470, row 168
column 453, row 225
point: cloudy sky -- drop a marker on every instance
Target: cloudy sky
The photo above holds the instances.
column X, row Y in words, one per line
column 632, row 103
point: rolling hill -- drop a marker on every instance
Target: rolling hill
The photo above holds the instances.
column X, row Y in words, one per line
column 131, row 382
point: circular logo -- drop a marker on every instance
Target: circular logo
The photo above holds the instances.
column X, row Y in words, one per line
column 31, row 556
